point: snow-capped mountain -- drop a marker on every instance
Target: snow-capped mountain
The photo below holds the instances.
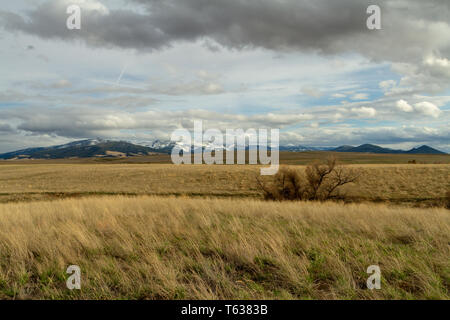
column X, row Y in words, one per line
column 108, row 148
column 159, row 144
column 300, row 148
column 82, row 149
column 80, row 143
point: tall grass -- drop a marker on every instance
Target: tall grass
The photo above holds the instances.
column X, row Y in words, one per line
column 180, row 248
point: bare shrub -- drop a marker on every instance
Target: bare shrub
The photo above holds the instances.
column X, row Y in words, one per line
column 285, row 186
column 320, row 181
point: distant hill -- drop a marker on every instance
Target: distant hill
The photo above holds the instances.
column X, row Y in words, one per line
column 343, row 149
column 425, row 150
column 112, row 149
column 371, row 148
column 82, row 149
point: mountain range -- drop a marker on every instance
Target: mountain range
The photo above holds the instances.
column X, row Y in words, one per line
column 113, row 149
column 82, row 149
column 371, row 148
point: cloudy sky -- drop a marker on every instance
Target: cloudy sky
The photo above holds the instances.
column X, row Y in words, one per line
column 139, row 69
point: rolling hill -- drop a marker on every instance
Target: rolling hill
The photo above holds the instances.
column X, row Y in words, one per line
column 371, row 148
column 107, row 148
column 82, row 149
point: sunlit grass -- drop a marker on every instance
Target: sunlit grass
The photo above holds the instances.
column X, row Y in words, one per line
column 416, row 184
column 181, row 248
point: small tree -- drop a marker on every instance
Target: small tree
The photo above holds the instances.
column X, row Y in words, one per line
column 321, row 181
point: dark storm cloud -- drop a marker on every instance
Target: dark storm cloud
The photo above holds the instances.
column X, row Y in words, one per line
column 117, row 28
column 328, row 26
column 4, row 127
column 268, row 24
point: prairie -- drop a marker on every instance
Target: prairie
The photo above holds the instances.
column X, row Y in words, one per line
column 411, row 184
column 287, row 158
column 147, row 230
column 183, row 248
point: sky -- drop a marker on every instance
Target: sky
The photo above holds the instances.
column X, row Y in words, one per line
column 139, row 69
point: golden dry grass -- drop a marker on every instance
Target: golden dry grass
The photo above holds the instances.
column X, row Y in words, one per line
column 176, row 248
column 287, row 158
column 304, row 158
column 396, row 183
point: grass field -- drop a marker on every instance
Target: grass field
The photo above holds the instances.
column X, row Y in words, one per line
column 180, row 248
column 411, row 184
column 287, row 158
column 147, row 230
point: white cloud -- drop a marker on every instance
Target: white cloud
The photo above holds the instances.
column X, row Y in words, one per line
column 435, row 61
column 337, row 117
column 424, row 108
column 428, row 109
column 365, row 112
column 281, row 119
column 360, row 96
column 404, row 106
column 213, row 88
column 387, row 84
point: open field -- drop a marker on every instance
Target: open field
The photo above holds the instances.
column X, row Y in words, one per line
column 411, row 184
column 160, row 231
column 288, row 158
column 180, row 248
column 304, row 158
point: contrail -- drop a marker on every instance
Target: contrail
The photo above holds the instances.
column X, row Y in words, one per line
column 117, row 82
column 121, row 74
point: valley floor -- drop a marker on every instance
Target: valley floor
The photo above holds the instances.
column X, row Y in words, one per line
column 411, row 184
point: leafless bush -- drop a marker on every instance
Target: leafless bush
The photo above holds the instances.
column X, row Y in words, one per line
column 320, row 181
